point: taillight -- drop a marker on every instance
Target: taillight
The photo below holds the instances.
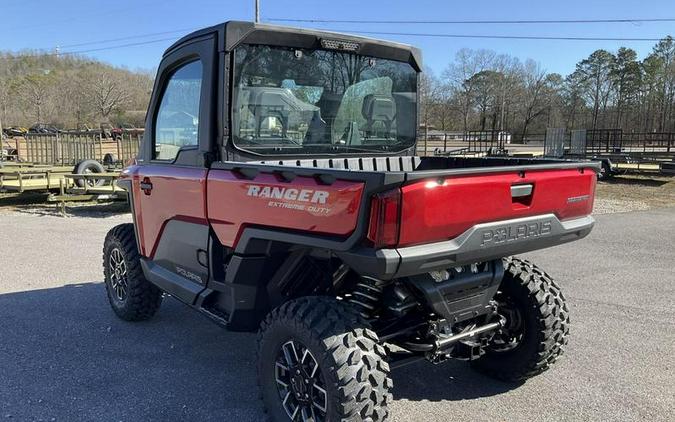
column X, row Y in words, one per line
column 385, row 212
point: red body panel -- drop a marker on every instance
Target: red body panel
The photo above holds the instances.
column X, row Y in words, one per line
column 303, row 204
column 433, row 211
column 177, row 193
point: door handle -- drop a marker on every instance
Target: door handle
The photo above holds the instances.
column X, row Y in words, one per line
column 146, row 186
column 521, row 195
column 519, row 191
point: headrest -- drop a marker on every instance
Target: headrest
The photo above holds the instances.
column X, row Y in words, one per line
column 378, row 107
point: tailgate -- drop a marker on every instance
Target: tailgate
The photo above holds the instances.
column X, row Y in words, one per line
column 443, row 208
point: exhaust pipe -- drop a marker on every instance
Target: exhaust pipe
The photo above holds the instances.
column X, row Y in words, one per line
column 445, row 342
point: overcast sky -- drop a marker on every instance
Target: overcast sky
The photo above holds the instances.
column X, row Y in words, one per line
column 78, row 25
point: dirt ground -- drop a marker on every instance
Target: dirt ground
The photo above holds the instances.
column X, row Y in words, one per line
column 37, row 203
column 633, row 193
column 620, row 194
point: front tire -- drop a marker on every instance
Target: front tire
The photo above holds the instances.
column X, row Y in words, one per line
column 537, row 324
column 319, row 361
column 131, row 296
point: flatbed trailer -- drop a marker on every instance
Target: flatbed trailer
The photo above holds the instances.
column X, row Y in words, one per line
column 619, row 152
column 21, row 179
column 69, row 191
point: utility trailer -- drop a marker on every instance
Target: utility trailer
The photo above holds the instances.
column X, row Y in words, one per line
column 90, row 188
column 316, row 225
column 73, row 147
column 41, row 161
column 473, row 143
column 21, row 178
column 616, row 150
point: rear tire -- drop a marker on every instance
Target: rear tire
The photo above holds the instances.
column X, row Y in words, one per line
column 331, row 336
column 131, row 296
column 537, row 324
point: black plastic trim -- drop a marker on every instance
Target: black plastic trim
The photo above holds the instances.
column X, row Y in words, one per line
column 203, row 49
column 171, row 283
column 558, row 165
column 233, row 33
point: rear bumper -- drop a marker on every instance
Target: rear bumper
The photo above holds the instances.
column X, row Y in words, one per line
column 480, row 243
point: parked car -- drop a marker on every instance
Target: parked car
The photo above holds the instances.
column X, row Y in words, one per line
column 15, row 131
column 43, row 128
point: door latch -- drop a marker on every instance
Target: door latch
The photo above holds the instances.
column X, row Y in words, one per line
column 146, row 186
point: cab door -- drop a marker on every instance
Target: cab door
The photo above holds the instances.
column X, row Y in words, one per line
column 170, row 181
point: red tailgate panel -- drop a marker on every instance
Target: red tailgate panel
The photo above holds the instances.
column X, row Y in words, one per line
column 303, row 204
column 439, row 210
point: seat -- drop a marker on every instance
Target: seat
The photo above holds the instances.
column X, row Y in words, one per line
column 378, row 109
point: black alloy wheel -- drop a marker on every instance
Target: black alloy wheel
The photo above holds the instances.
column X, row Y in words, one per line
column 301, row 387
column 118, row 274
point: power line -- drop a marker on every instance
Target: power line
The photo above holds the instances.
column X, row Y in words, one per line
column 130, row 37
column 119, row 46
column 409, row 34
column 112, row 47
column 482, row 22
column 507, row 37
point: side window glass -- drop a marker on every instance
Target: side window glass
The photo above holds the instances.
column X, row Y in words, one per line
column 177, row 121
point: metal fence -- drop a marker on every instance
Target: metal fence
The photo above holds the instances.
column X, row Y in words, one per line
column 72, row 147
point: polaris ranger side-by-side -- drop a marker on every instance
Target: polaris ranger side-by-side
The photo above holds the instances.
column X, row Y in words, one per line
column 277, row 189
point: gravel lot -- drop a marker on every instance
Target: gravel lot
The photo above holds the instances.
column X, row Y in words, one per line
column 64, row 356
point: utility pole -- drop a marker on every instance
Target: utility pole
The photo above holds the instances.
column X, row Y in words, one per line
column 257, row 11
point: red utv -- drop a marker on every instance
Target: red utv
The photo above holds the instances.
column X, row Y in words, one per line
column 277, row 189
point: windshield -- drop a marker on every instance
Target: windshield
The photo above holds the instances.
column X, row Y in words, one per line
column 297, row 101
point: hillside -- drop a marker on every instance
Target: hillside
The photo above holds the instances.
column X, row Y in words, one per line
column 69, row 91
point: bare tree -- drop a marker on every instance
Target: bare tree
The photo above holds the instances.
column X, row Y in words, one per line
column 534, row 97
column 4, row 100
column 34, row 91
column 77, row 97
column 427, row 87
column 458, row 76
column 107, row 92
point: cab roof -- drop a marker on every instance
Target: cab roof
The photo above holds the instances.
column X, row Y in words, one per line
column 232, row 33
